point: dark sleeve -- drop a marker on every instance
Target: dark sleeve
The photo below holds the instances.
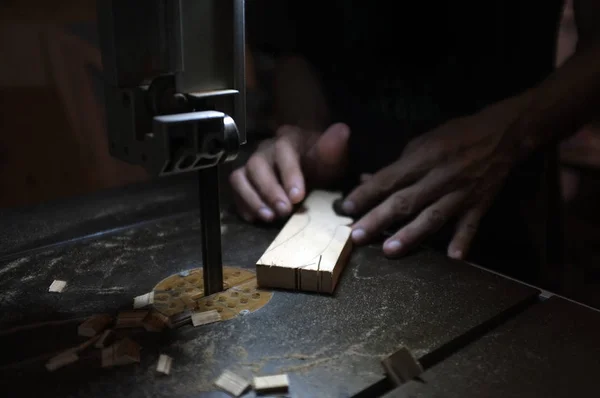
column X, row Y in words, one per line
column 270, row 26
column 279, row 27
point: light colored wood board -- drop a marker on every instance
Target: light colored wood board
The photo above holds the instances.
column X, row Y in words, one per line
column 57, row 286
column 143, row 301
column 311, row 250
column 232, row 383
column 268, row 384
column 94, row 325
column 164, row 364
column 206, row 317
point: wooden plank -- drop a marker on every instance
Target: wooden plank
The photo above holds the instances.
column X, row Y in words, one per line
column 311, row 250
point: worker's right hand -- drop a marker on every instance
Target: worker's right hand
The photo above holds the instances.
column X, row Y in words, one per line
column 277, row 175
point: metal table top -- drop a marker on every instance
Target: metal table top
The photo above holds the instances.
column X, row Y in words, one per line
column 330, row 346
column 550, row 350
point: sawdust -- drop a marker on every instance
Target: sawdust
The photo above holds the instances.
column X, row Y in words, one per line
column 13, row 265
column 240, row 352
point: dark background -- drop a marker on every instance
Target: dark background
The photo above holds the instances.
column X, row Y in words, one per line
column 53, row 145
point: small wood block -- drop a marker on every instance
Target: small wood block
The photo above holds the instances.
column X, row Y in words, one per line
column 143, row 301
column 106, row 339
column 123, row 352
column 197, row 295
column 94, row 325
column 232, row 383
column 270, row 384
column 205, row 317
column 180, row 319
column 131, row 319
column 164, row 364
column 57, row 286
column 311, row 250
column 61, row 360
column 401, row 366
column 155, row 321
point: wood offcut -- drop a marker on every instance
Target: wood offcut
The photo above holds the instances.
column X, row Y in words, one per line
column 206, row 317
column 271, row 384
column 123, row 352
column 94, row 325
column 164, row 364
column 232, row 383
column 311, row 250
column 57, row 286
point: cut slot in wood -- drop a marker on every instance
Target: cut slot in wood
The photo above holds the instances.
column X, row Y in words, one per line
column 232, row 383
column 311, row 250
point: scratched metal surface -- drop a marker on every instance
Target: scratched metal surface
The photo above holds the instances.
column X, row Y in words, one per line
column 330, row 346
column 550, row 350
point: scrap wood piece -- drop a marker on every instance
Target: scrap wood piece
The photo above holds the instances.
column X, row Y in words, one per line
column 57, row 286
column 63, row 359
column 205, row 317
column 94, row 325
column 311, row 250
column 131, row 319
column 269, row 384
column 143, row 301
column 402, row 366
column 232, row 383
column 70, row 355
column 164, row 364
column 155, row 321
column 123, row 352
column 106, row 339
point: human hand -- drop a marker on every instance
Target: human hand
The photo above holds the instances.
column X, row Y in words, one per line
column 276, row 175
column 453, row 171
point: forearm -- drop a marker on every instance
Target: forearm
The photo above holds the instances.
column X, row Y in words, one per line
column 298, row 96
column 570, row 97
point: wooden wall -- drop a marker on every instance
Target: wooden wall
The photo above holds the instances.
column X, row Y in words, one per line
column 52, row 139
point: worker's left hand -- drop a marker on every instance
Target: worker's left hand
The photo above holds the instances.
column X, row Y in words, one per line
column 451, row 172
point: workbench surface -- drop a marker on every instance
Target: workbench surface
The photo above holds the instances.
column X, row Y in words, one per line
column 330, row 346
column 550, row 350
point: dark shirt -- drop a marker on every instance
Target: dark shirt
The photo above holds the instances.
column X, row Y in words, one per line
column 394, row 70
